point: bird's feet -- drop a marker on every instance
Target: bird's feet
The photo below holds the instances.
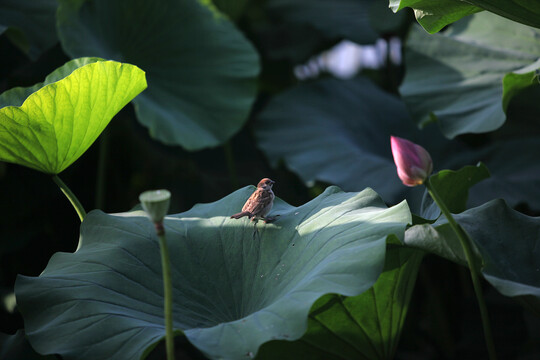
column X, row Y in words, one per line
column 270, row 219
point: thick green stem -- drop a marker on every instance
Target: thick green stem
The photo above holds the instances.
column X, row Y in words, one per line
column 473, row 267
column 71, row 197
column 167, row 289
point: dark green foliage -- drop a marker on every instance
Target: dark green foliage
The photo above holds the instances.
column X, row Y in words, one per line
column 473, row 88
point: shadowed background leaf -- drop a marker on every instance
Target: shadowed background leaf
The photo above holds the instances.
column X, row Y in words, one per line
column 16, row 346
column 346, row 127
column 30, row 25
column 200, row 69
column 467, row 64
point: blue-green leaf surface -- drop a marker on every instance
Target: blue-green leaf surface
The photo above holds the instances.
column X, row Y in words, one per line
column 236, row 285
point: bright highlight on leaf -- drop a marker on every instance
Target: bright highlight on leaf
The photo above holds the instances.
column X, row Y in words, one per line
column 49, row 126
column 235, row 286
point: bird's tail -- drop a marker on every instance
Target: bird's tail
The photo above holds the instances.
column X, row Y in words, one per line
column 242, row 214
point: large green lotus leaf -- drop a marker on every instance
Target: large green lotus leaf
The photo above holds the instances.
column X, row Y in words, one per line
column 467, row 64
column 367, row 326
column 31, row 24
column 201, row 71
column 505, row 241
column 433, row 15
column 236, row 285
column 49, row 126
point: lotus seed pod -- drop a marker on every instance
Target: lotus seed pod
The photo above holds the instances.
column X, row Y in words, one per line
column 156, row 204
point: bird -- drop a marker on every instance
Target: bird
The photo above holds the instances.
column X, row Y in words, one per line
column 259, row 203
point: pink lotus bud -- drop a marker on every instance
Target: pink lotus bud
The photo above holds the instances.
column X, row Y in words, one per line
column 413, row 162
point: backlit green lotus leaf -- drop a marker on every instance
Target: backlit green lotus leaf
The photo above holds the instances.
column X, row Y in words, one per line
column 236, row 285
column 50, row 125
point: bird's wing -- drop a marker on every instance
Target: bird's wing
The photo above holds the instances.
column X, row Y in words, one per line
column 257, row 201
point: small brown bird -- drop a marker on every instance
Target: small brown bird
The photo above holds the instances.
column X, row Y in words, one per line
column 259, row 203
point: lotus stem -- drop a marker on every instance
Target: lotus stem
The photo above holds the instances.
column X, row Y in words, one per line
column 167, row 289
column 71, row 197
column 473, row 267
